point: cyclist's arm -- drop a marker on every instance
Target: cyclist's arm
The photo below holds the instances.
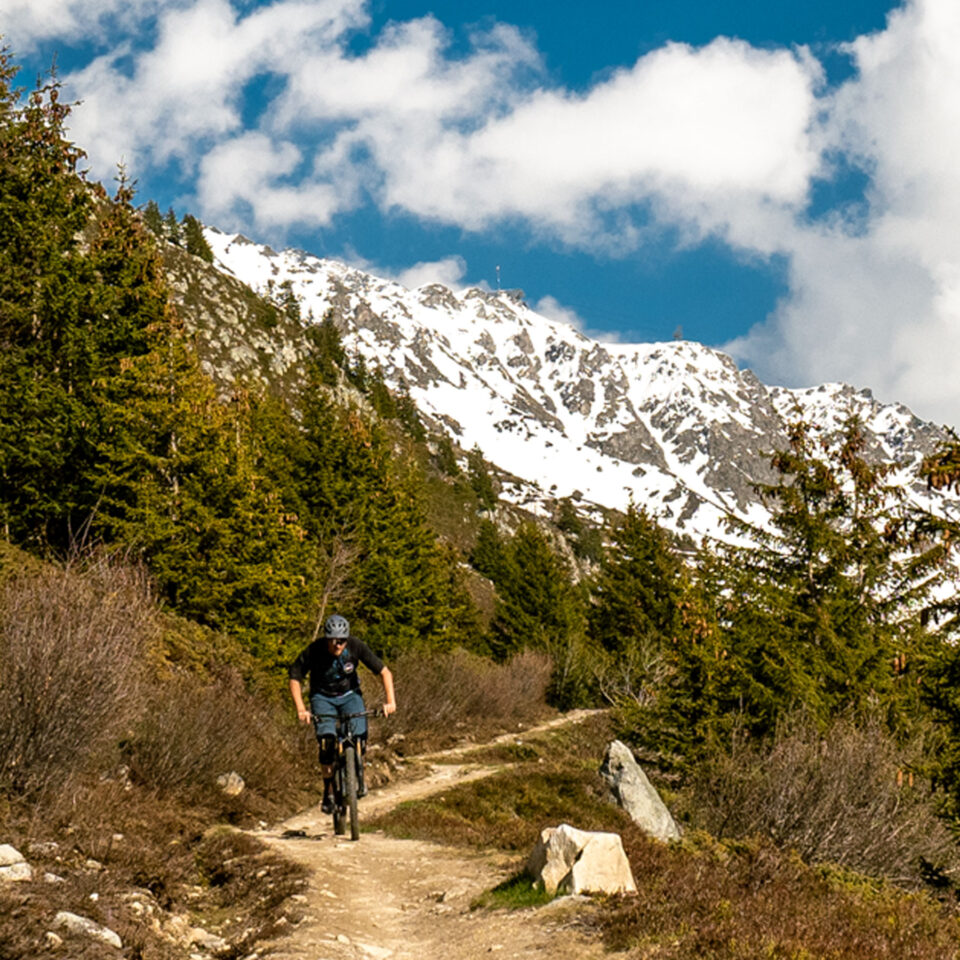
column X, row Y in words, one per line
column 296, row 691
column 389, row 697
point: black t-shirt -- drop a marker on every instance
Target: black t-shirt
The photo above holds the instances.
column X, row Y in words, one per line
column 333, row 675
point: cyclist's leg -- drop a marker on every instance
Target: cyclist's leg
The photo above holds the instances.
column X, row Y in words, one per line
column 326, row 738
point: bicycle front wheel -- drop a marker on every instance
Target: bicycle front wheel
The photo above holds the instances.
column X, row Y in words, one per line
column 350, row 790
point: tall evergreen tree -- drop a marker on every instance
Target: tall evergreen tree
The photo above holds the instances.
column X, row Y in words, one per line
column 539, row 608
column 817, row 616
column 480, row 479
column 194, row 240
column 172, row 228
column 635, row 614
column 45, row 340
column 153, row 219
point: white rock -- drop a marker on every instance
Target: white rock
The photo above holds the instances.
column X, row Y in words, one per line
column 231, row 783
column 53, row 878
column 633, row 791
column 16, row 872
column 373, row 951
column 52, row 940
column 208, row 941
column 9, row 855
column 567, row 860
column 85, row 926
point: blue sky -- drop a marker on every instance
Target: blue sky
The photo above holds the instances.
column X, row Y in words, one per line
column 776, row 179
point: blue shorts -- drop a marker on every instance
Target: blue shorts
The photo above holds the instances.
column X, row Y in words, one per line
column 349, row 702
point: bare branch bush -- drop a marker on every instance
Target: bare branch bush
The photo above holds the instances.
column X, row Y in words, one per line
column 194, row 730
column 846, row 796
column 436, row 692
column 71, row 644
column 632, row 675
column 337, row 565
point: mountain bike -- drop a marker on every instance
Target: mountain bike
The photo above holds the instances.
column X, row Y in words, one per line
column 347, row 771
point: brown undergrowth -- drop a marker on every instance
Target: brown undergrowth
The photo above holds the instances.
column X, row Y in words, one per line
column 116, row 722
column 755, row 902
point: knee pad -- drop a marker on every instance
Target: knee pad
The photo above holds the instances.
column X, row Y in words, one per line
column 328, row 749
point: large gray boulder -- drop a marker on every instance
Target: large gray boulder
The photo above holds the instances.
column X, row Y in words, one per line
column 567, row 860
column 633, row 791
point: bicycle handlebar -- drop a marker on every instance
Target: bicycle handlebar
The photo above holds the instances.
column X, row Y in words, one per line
column 347, row 716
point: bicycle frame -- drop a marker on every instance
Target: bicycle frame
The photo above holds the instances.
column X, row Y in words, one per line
column 347, row 771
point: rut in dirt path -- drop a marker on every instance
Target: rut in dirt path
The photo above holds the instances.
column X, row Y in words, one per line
column 388, row 899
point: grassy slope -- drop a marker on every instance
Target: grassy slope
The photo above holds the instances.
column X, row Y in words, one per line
column 698, row 900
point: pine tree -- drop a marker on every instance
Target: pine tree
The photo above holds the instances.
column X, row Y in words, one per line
column 348, row 486
column 480, row 479
column 635, row 612
column 44, row 338
column 489, row 553
column 172, row 227
column 194, row 240
column 820, row 615
column 539, row 608
column 153, row 219
column 446, row 458
column 638, row 587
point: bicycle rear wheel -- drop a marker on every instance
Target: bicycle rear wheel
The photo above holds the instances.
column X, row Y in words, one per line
column 350, row 790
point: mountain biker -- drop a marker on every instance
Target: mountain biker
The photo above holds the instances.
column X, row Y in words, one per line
column 332, row 664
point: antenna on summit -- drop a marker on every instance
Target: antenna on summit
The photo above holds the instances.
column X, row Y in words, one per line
column 498, row 278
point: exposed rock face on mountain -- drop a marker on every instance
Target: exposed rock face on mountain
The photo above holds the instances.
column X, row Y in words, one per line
column 674, row 426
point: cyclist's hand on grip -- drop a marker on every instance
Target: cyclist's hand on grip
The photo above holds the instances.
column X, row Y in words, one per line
column 303, row 715
column 389, row 708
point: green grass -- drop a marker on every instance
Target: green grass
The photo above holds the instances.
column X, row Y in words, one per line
column 556, row 783
column 515, row 893
column 500, row 753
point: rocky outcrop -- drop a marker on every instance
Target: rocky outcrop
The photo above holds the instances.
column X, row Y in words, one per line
column 570, row 861
column 630, row 788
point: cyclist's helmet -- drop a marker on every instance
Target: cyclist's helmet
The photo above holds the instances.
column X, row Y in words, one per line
column 336, row 627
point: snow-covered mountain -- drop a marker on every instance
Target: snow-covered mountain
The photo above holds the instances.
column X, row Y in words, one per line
column 674, row 426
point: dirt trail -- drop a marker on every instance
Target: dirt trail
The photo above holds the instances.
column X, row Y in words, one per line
column 387, row 899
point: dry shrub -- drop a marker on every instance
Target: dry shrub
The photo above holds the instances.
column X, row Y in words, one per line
column 71, row 644
column 436, row 692
column 756, row 902
column 845, row 797
column 192, row 731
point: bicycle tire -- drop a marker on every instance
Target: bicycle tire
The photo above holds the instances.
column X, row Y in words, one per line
column 350, row 791
column 339, row 812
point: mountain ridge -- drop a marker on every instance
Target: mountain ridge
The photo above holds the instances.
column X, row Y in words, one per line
column 675, row 426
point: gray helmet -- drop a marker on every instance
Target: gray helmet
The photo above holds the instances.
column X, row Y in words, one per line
column 336, row 626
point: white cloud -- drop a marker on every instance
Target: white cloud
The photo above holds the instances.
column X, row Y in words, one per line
column 186, row 92
column 449, row 271
column 879, row 305
column 467, row 140
column 27, row 22
column 551, row 308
